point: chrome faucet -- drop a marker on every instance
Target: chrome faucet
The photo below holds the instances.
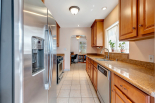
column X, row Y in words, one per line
column 107, row 50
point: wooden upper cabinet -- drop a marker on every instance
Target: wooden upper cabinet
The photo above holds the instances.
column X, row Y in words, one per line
column 127, row 19
column 92, row 37
column 43, row 1
column 97, row 33
column 146, row 17
column 58, row 33
column 136, row 19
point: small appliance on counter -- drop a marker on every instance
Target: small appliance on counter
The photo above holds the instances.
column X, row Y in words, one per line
column 59, row 68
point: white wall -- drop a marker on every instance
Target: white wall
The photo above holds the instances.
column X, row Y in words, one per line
column 65, row 40
column 74, row 44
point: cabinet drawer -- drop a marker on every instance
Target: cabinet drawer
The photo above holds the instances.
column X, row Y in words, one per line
column 132, row 92
column 92, row 62
column 95, row 64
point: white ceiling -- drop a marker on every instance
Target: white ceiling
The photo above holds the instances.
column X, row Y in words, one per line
column 85, row 18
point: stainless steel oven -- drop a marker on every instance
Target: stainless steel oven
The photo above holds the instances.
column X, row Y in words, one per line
column 59, row 68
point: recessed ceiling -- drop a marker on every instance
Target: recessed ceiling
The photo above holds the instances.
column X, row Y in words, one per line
column 89, row 11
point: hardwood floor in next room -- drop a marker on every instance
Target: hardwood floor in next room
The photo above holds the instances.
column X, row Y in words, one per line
column 76, row 86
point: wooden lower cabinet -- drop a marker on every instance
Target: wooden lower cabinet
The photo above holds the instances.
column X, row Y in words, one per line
column 124, row 92
column 95, row 78
column 121, row 90
column 91, row 68
column 119, row 97
column 92, row 73
column 86, row 65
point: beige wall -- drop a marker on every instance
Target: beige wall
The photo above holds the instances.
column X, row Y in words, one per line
column 65, row 40
column 111, row 18
column 108, row 21
column 138, row 50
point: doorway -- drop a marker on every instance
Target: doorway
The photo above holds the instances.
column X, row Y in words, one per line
column 78, row 49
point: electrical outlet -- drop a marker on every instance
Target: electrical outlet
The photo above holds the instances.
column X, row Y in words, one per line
column 151, row 58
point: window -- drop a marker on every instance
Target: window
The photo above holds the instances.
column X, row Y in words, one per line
column 82, row 47
column 112, row 33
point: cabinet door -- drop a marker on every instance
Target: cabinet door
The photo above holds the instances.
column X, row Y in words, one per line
column 92, row 71
column 92, row 36
column 95, row 78
column 87, row 65
column 119, row 97
column 95, row 34
column 146, row 17
column 58, row 33
column 89, row 69
column 99, row 33
column 127, row 19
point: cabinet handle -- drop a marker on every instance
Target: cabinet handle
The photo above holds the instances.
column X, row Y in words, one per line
column 140, row 25
column 121, row 85
column 125, row 89
column 134, row 28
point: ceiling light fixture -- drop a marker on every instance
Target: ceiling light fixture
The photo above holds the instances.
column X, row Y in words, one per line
column 78, row 36
column 78, row 25
column 74, row 9
column 104, row 8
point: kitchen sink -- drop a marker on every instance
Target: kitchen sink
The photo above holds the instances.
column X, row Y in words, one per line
column 101, row 59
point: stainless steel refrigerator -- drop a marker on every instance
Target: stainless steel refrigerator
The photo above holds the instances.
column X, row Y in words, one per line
column 35, row 53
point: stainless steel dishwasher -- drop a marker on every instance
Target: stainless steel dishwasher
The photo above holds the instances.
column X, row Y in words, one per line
column 104, row 85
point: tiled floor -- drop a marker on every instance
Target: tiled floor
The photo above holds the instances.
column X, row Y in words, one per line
column 76, row 86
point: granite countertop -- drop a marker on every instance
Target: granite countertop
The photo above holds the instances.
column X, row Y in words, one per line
column 140, row 77
column 60, row 54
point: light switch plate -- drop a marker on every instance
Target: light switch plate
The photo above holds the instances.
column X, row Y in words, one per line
column 151, row 58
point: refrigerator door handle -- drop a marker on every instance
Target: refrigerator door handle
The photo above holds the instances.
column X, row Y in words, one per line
column 51, row 56
column 47, row 59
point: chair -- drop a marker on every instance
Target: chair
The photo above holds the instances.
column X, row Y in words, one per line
column 73, row 58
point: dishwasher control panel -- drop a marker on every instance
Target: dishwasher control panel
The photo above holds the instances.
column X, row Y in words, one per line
column 103, row 71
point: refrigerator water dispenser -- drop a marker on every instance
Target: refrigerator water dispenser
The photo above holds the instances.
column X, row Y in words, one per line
column 37, row 55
